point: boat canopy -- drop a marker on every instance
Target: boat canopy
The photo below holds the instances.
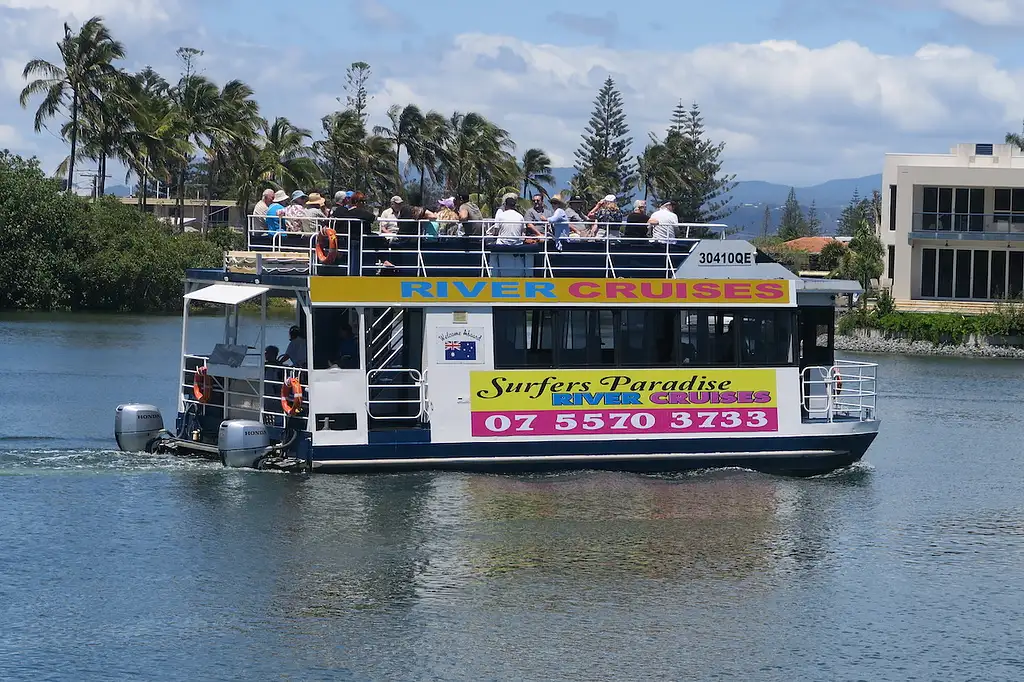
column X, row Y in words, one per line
column 229, row 294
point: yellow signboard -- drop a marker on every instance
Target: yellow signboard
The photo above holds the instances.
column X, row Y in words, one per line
column 622, row 401
column 557, row 291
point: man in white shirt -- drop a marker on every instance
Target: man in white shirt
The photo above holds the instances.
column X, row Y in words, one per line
column 508, row 226
column 664, row 223
column 296, row 350
column 259, row 223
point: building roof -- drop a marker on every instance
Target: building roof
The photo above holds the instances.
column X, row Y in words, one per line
column 809, row 244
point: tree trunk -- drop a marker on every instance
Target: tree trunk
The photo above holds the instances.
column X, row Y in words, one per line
column 423, row 178
column 526, row 187
column 74, row 140
column 101, row 182
column 210, row 171
column 181, row 198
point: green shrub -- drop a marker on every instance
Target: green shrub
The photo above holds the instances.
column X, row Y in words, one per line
column 1006, row 320
column 885, row 303
column 59, row 252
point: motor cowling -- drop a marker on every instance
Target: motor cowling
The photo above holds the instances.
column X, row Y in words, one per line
column 137, row 426
column 242, row 442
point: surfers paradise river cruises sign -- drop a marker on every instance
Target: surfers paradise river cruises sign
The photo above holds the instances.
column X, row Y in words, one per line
column 557, row 291
column 580, row 402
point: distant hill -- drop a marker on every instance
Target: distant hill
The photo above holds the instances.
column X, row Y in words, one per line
column 118, row 190
column 751, row 196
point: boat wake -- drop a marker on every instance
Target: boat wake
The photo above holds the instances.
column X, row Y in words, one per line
column 27, row 461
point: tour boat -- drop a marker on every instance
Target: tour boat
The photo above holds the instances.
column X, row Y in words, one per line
column 484, row 354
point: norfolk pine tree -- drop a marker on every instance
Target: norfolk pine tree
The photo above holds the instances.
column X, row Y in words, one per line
column 604, row 164
column 793, row 224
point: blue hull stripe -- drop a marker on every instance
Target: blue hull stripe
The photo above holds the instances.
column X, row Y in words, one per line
column 788, row 454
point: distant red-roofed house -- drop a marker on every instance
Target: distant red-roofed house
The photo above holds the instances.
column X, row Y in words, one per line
column 812, row 246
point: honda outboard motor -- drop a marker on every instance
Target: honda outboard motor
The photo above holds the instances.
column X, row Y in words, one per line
column 242, row 443
column 137, row 426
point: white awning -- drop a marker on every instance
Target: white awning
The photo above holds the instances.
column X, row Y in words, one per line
column 230, row 294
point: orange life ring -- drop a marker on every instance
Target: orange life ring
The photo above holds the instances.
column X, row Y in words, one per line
column 327, row 246
column 838, row 382
column 291, row 396
column 202, row 385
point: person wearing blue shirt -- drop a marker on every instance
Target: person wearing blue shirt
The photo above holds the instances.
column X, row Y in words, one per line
column 274, row 225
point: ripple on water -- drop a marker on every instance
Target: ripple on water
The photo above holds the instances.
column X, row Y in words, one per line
column 28, row 461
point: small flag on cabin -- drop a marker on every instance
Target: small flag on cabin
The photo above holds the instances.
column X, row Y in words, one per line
column 460, row 350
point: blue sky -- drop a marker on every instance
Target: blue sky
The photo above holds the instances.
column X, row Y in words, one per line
column 800, row 91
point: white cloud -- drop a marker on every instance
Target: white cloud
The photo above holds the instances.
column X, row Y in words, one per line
column 10, row 138
column 787, row 112
column 118, row 11
column 988, row 12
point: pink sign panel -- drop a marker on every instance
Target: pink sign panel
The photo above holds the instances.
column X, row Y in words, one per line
column 625, row 422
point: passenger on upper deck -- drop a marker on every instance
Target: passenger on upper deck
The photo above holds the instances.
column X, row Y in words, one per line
column 295, row 214
column 537, row 216
column 606, row 216
column 260, row 222
column 314, row 209
column 470, row 216
column 387, row 222
column 664, row 223
column 559, row 220
column 357, row 222
column 447, row 218
column 274, row 211
column 636, row 221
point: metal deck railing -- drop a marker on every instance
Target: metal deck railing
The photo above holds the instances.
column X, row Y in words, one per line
column 414, row 248
column 257, row 399
column 843, row 392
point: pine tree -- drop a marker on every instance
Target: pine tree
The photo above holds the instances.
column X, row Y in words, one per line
column 708, row 196
column 766, row 222
column 854, row 213
column 356, row 96
column 604, row 164
column 793, row 224
column 812, row 223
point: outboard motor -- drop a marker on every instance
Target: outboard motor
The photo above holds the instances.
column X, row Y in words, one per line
column 137, row 426
column 242, row 443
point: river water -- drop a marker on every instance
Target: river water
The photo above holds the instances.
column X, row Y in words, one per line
column 115, row 566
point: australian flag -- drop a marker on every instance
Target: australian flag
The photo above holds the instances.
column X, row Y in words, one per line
column 460, row 350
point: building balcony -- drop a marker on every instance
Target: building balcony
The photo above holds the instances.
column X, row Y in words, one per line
column 969, row 226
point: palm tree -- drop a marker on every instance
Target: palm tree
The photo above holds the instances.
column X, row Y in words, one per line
column 287, row 160
column 87, row 64
column 426, row 151
column 236, row 128
column 536, row 169
column 403, row 131
column 154, row 146
column 196, row 107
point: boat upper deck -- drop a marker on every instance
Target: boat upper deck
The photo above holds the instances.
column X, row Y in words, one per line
column 288, row 261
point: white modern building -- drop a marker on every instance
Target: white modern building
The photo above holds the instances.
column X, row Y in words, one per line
column 953, row 224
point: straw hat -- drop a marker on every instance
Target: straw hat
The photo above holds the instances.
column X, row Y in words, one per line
column 557, row 199
column 315, row 200
column 280, row 196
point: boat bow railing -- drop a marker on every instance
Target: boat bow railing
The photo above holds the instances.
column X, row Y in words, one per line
column 846, row 391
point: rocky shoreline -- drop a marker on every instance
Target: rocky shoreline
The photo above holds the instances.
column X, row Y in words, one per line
column 865, row 343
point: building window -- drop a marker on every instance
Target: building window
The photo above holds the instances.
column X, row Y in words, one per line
column 945, row 209
column 945, row 284
column 928, row 273
column 980, row 284
column 892, row 260
column 892, row 207
column 1008, row 208
column 997, row 283
column 962, row 288
column 1015, row 275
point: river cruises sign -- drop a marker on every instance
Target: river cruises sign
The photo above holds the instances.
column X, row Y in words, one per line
column 581, row 402
column 558, row 291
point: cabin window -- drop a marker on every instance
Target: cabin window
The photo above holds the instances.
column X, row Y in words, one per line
column 335, row 338
column 639, row 337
